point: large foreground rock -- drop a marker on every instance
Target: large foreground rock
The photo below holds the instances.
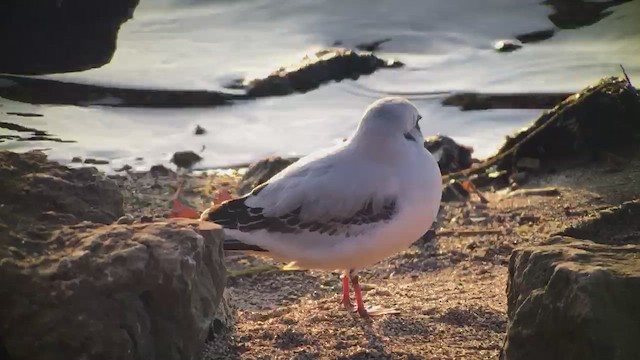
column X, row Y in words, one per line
column 72, row 287
column 577, row 299
column 49, row 36
column 148, row 291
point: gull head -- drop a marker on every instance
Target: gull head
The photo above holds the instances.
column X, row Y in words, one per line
column 392, row 118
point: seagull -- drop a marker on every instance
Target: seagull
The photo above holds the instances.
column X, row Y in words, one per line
column 346, row 207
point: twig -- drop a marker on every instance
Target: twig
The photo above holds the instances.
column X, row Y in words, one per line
column 469, row 232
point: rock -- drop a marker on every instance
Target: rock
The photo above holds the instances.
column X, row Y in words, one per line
column 146, row 219
column 262, row 171
column 325, row 65
column 535, row 36
column 96, row 161
column 125, row 167
column 578, row 299
column 199, row 130
column 24, row 114
column 507, row 45
column 482, row 101
column 578, row 13
column 185, row 159
column 160, row 170
column 51, row 36
column 454, row 191
column 578, row 290
column 51, row 91
column 451, row 156
column 30, row 186
column 145, row 291
column 76, row 159
column 125, row 220
column 573, row 130
column 372, row 45
column 72, row 288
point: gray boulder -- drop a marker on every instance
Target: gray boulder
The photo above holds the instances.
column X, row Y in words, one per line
column 577, row 299
column 147, row 291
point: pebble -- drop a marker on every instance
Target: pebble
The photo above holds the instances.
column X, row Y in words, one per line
column 146, row 219
column 125, row 220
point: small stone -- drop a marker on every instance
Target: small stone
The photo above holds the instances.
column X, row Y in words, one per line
column 92, row 161
column 146, row 219
column 507, row 45
column 125, row 220
column 159, row 170
column 76, row 159
column 199, row 130
column 185, row 159
column 126, row 167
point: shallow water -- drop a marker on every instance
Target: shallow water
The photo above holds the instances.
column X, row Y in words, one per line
column 447, row 46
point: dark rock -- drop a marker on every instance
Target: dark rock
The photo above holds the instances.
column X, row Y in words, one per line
column 76, row 159
column 185, row 159
column 199, row 130
column 160, row 170
column 145, row 219
column 507, row 45
column 113, row 292
column 372, row 45
column 477, row 101
column 24, row 114
column 50, row 91
column 572, row 14
column 31, row 185
column 20, row 128
column 454, row 191
column 51, row 36
column 333, row 64
column 92, row 161
column 262, row 171
column 535, row 36
column 576, row 125
column 125, row 167
column 451, row 156
column 572, row 130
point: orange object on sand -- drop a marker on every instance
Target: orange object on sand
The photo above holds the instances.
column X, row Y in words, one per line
column 182, row 211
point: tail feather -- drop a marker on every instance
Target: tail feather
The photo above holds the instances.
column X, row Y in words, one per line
column 237, row 245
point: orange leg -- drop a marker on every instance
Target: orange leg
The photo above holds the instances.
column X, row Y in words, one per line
column 346, row 300
column 359, row 303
